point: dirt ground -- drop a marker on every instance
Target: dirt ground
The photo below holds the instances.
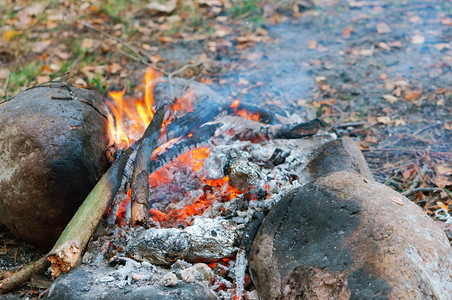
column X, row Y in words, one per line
column 378, row 71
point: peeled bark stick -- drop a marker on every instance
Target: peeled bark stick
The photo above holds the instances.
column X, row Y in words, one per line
column 140, row 177
column 68, row 249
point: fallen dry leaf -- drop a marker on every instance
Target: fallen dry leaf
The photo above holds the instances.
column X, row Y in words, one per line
column 347, row 32
column 81, row 83
column 10, row 34
column 417, row 39
column 158, row 8
column 384, row 46
column 328, row 102
column 312, row 44
column 395, row 44
column 399, row 122
column 442, row 46
column 413, row 95
column 4, row 73
column 113, row 68
column 321, row 48
column 384, row 120
column 444, row 169
column 221, row 30
column 357, row 3
column 243, row 81
column 210, row 2
column 366, row 52
column 448, row 126
column 166, row 39
column 446, row 21
column 397, row 200
column 383, row 28
column 415, row 19
column 87, row 43
column 42, row 79
column 442, row 181
column 390, row 98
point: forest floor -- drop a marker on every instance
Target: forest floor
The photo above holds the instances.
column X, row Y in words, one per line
column 378, row 71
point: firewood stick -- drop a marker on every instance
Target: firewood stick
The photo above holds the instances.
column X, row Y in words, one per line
column 200, row 136
column 286, row 131
column 69, row 247
column 15, row 280
column 140, row 177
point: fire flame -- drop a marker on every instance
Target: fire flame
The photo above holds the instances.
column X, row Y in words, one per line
column 130, row 117
column 127, row 122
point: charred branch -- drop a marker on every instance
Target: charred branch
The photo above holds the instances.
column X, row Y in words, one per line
column 286, row 131
column 140, row 177
column 200, row 136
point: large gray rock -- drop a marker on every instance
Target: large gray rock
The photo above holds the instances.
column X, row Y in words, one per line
column 344, row 236
column 341, row 154
column 52, row 152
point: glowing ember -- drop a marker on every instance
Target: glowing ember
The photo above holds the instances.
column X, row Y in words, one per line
column 121, row 214
column 128, row 120
column 243, row 112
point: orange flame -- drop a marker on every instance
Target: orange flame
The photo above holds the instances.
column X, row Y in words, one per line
column 139, row 112
column 184, row 103
column 243, row 112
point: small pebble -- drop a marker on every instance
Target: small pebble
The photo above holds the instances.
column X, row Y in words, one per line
column 170, row 279
column 188, row 275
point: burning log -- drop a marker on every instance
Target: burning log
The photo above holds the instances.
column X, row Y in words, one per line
column 140, row 178
column 280, row 131
column 67, row 250
column 196, row 139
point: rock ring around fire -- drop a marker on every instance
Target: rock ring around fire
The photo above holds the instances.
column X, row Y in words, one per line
column 346, row 236
column 53, row 141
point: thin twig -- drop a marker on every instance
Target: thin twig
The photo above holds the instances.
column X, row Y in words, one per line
column 339, row 120
column 422, row 189
column 351, row 124
column 144, row 59
column 6, row 86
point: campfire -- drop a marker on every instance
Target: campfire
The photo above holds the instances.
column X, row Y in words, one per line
column 209, row 172
column 202, row 190
column 191, row 173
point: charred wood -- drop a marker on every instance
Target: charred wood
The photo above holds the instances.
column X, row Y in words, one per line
column 205, row 240
column 285, row 131
column 200, row 136
column 140, row 177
